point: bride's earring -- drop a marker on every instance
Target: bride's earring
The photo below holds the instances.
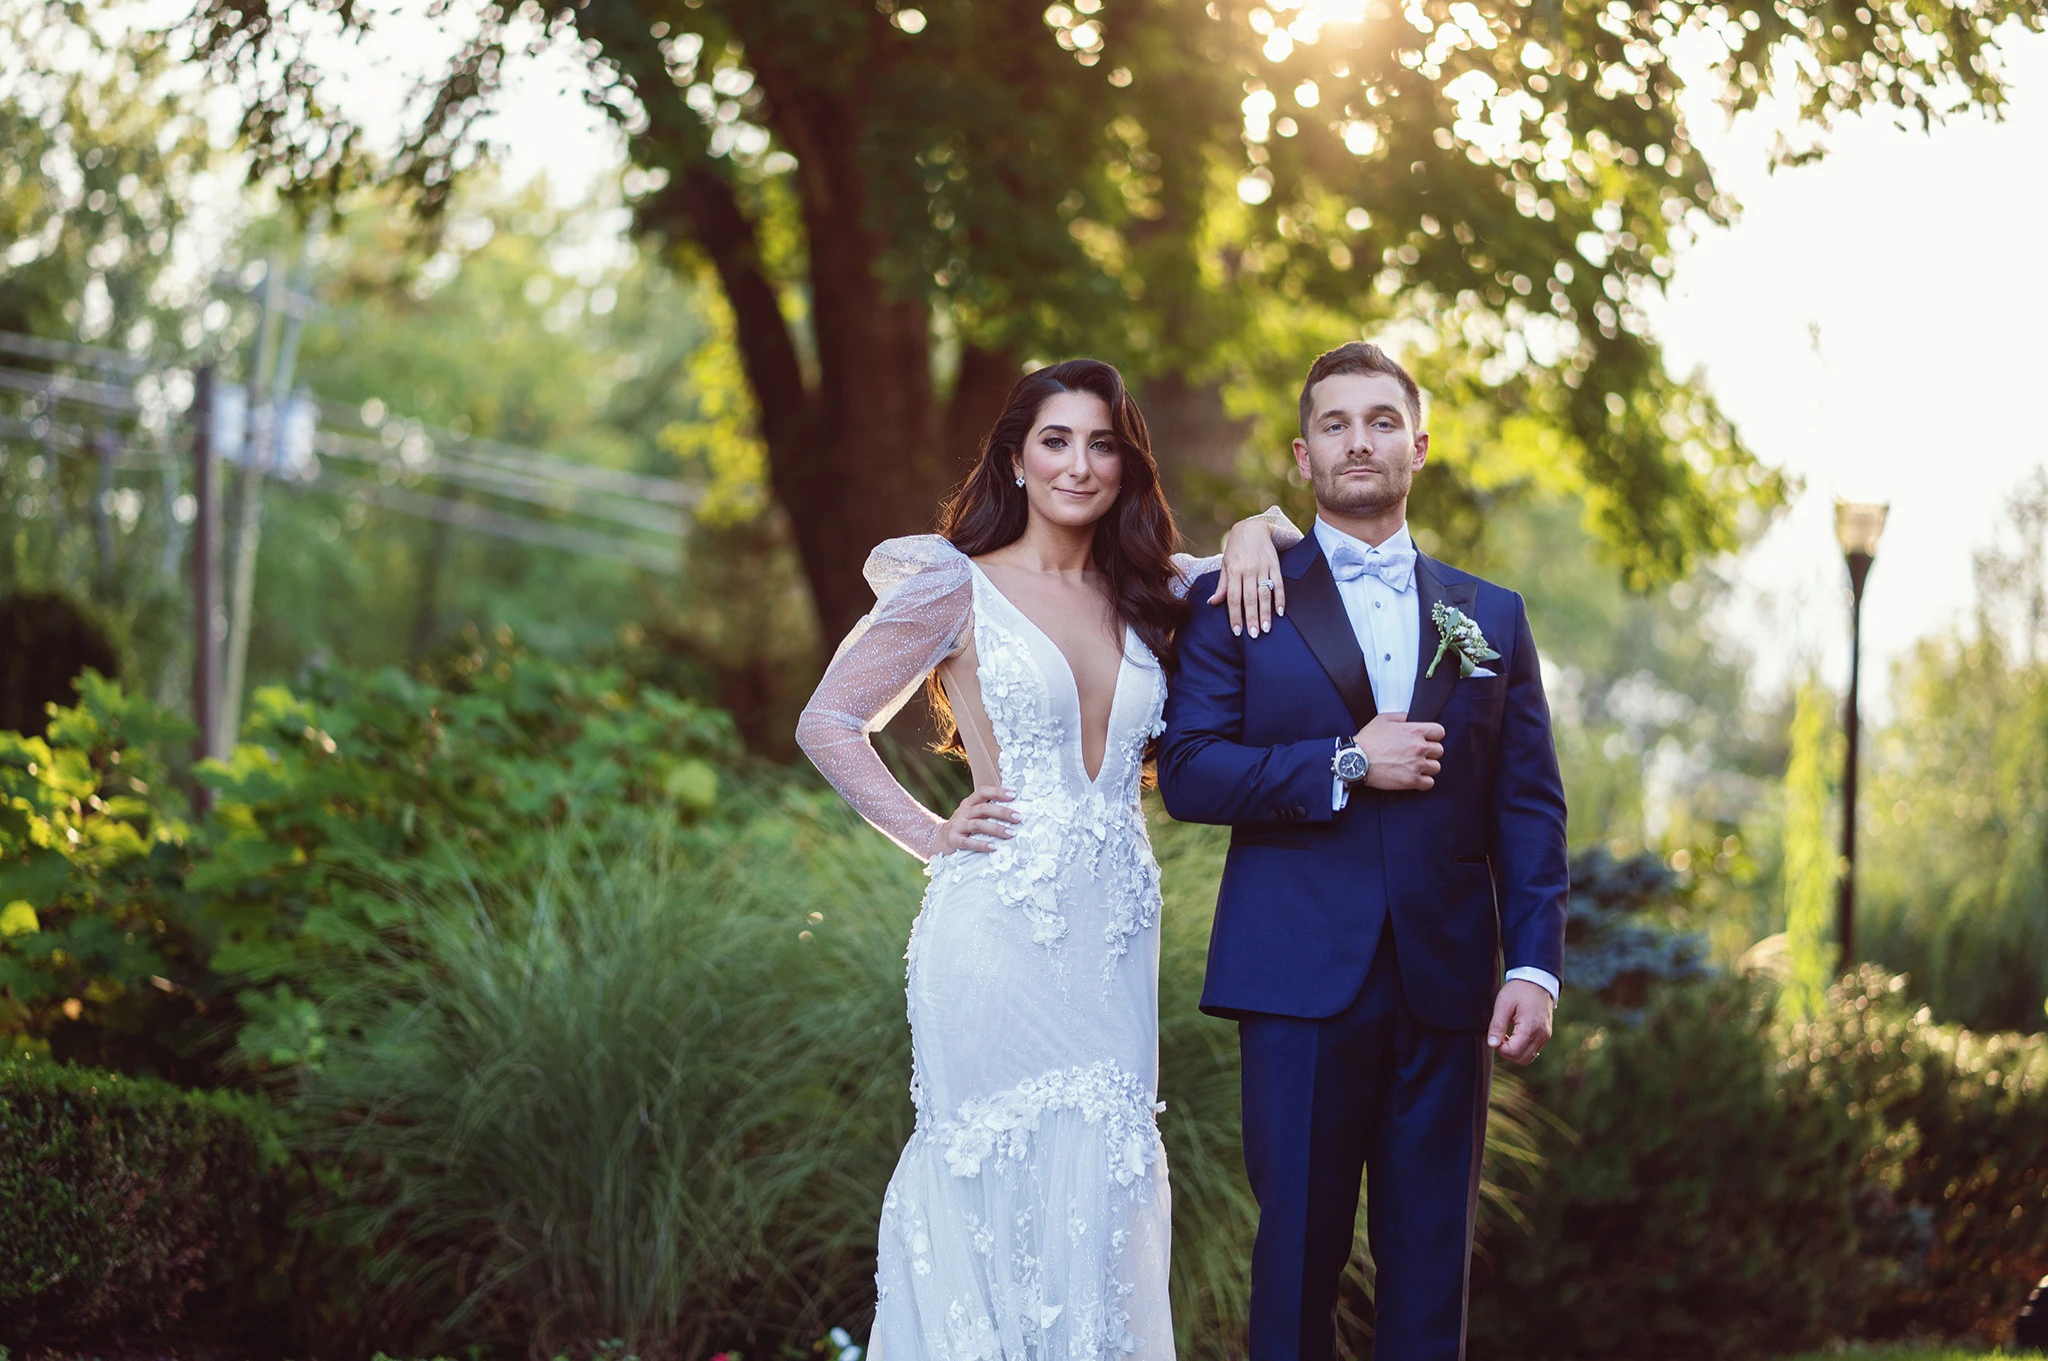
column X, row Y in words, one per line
column 1020, row 479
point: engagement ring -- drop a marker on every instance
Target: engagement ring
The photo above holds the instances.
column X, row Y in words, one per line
column 1265, row 585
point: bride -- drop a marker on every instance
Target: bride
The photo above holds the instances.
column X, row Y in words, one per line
column 1028, row 1216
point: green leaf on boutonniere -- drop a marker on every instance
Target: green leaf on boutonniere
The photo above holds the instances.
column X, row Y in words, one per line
column 1459, row 634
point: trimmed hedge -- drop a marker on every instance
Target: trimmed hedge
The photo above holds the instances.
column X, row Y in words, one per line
column 120, row 1198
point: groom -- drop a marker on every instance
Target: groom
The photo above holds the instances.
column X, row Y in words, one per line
column 1397, row 840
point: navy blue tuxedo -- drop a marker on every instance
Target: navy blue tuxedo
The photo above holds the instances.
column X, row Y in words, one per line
column 1360, row 950
column 1473, row 866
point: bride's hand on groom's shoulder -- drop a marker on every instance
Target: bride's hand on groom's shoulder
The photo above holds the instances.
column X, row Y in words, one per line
column 982, row 819
column 1250, row 580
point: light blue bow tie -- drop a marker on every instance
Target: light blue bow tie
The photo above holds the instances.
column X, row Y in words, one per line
column 1395, row 566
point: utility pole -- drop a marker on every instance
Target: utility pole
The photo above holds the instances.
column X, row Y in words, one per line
column 271, row 379
column 106, row 446
column 206, row 618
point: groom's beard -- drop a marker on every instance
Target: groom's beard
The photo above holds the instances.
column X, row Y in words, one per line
column 1363, row 496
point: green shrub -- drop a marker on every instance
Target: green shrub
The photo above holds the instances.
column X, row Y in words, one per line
column 1701, row 1203
column 131, row 937
column 92, row 848
column 1960, row 1161
column 1730, row 1184
column 120, row 1199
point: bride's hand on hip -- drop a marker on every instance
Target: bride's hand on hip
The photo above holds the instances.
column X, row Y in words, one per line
column 1251, row 579
column 982, row 819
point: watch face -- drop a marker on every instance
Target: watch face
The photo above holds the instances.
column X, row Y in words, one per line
column 1351, row 764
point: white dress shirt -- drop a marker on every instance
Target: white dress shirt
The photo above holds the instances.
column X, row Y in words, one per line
column 1388, row 624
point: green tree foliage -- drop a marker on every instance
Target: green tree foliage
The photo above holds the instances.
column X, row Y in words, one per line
column 495, row 334
column 103, row 151
column 1811, row 866
column 1955, row 822
column 888, row 193
column 526, row 323
column 102, row 154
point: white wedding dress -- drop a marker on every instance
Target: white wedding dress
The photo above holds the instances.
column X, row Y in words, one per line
column 1029, row 1215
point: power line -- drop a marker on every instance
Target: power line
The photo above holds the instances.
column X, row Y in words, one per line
column 543, row 492
column 618, row 499
column 60, row 387
column 525, row 529
column 61, row 352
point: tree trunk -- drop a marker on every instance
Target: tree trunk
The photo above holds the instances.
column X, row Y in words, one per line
column 861, row 450
column 1198, row 446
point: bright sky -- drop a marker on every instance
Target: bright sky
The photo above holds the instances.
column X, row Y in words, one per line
column 1918, row 256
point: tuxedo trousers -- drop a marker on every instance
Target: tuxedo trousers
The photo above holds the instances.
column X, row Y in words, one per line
column 1369, row 1091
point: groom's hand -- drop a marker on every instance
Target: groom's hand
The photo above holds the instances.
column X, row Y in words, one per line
column 1521, row 1021
column 1403, row 755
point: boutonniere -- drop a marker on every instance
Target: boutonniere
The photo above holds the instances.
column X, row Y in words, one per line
column 1462, row 636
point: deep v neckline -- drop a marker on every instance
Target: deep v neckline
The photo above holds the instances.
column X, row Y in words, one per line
column 1116, row 690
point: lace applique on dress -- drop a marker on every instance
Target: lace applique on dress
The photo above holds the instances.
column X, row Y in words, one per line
column 1000, row 1126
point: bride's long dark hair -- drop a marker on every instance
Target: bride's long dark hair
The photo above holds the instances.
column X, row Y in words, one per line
column 1134, row 539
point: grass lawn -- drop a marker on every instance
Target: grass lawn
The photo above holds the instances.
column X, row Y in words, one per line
column 1917, row 1352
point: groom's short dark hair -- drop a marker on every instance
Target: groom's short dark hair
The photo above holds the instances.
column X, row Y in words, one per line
column 1360, row 356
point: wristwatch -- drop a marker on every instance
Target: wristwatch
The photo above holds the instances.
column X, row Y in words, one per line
column 1349, row 764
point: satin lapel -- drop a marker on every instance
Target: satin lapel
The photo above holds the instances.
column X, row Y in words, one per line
column 1317, row 612
column 1430, row 590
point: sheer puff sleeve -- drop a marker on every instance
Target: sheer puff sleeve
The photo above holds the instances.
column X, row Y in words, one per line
column 1189, row 567
column 924, row 603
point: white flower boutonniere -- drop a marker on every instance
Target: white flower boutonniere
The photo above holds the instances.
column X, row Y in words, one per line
column 1462, row 636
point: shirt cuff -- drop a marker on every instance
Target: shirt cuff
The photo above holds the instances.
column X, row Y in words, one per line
column 1340, row 793
column 1542, row 978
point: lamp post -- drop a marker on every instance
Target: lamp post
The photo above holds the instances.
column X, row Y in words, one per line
column 1858, row 526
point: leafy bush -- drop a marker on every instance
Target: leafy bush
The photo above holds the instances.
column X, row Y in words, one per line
column 119, row 1198
column 1961, row 1158
column 1728, row 1183
column 1700, row 1204
column 323, row 817
column 92, row 849
column 133, row 937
